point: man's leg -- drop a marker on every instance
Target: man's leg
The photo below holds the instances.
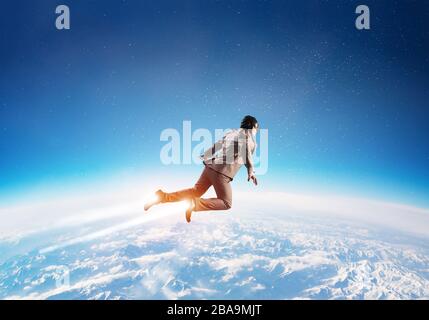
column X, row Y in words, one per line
column 200, row 187
column 223, row 190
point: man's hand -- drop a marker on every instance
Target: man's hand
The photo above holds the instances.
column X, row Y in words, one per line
column 253, row 178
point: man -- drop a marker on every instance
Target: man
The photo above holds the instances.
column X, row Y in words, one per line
column 222, row 162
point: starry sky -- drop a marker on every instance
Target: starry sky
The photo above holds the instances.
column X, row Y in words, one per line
column 345, row 109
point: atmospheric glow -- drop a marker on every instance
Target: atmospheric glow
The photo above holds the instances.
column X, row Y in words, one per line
column 154, row 214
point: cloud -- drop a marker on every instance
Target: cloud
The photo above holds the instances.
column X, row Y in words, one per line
column 97, row 280
column 405, row 218
column 267, row 241
column 295, row 263
column 234, row 255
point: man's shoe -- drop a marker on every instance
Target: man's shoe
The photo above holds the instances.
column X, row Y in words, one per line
column 189, row 210
column 158, row 198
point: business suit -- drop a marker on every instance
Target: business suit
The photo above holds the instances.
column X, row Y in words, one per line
column 222, row 162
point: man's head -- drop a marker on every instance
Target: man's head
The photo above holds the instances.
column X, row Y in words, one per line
column 250, row 123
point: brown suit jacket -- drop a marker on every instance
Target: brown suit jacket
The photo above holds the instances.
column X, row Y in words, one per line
column 228, row 154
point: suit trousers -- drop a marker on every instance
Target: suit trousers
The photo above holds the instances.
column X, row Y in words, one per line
column 208, row 178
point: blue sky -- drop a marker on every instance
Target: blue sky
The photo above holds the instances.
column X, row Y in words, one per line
column 345, row 108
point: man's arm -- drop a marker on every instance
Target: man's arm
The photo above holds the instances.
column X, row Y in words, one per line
column 249, row 164
column 212, row 151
